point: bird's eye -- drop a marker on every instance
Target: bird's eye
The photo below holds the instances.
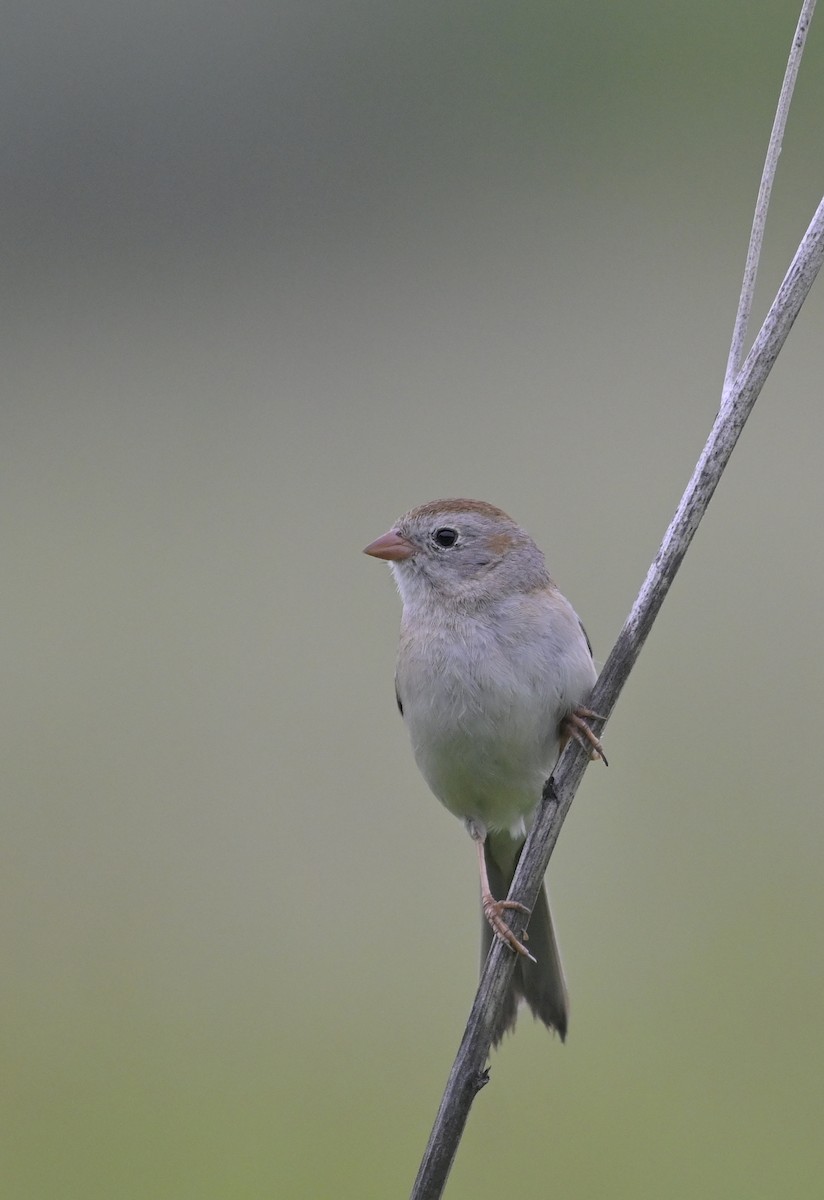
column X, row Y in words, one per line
column 445, row 537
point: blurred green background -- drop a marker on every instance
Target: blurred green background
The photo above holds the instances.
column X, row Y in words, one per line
column 275, row 272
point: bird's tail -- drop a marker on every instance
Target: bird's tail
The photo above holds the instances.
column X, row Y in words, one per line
column 541, row 984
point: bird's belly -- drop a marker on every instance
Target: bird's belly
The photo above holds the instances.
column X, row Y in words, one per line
column 487, row 764
column 483, row 712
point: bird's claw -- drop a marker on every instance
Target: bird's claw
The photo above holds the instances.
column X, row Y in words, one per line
column 493, row 911
column 575, row 726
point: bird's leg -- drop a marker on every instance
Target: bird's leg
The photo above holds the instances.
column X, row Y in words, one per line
column 575, row 726
column 494, row 909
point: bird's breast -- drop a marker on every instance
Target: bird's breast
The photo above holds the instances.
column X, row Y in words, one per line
column 483, row 718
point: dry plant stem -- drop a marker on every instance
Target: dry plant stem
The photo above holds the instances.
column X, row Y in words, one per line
column 742, row 317
column 468, row 1072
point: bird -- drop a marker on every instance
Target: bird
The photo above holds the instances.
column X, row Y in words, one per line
column 493, row 668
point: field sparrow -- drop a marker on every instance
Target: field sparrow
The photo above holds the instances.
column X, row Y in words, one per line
column 493, row 667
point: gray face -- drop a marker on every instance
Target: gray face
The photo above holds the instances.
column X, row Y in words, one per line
column 460, row 547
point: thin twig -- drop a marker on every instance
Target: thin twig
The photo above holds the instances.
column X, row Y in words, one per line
column 742, row 317
column 468, row 1074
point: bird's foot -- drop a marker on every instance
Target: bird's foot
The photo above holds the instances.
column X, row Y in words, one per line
column 576, row 726
column 493, row 910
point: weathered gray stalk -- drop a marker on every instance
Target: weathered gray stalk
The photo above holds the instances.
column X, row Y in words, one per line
column 468, row 1072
